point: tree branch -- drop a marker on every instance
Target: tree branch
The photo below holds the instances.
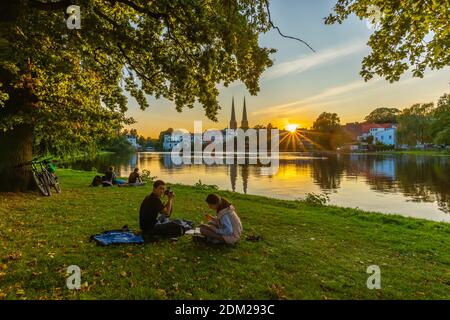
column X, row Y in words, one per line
column 135, row 6
column 139, row 73
column 279, row 31
column 50, row 5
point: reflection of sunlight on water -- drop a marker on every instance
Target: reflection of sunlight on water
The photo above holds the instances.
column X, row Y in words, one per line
column 373, row 183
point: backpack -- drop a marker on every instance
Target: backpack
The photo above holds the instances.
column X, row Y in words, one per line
column 165, row 230
column 97, row 181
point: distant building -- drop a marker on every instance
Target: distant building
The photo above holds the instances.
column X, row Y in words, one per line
column 233, row 122
column 382, row 133
column 354, row 130
column 133, row 141
column 244, row 122
column 169, row 142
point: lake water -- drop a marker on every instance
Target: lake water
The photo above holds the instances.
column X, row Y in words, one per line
column 415, row 186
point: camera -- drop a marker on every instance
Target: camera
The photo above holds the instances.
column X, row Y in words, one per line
column 168, row 192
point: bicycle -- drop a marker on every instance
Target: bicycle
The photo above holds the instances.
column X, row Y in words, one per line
column 44, row 176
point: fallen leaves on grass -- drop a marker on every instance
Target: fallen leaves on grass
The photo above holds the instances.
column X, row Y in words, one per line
column 32, row 262
column 278, row 292
column 162, row 293
column 14, row 256
column 20, row 292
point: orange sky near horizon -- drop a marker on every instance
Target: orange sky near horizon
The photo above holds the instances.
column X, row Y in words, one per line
column 351, row 102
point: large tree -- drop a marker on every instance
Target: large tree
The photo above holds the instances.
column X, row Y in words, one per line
column 408, row 34
column 414, row 124
column 327, row 122
column 383, row 115
column 328, row 133
column 61, row 89
column 440, row 126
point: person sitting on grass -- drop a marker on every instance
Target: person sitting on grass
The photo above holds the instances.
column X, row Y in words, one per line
column 152, row 207
column 134, row 177
column 110, row 179
column 226, row 227
column 134, row 180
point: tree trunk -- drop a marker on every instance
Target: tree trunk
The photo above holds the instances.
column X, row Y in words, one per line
column 16, row 147
column 16, row 144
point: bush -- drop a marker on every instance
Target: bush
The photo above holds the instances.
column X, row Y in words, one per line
column 202, row 186
column 146, row 176
column 316, row 199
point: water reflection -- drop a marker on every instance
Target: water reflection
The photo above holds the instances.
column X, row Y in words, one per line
column 411, row 185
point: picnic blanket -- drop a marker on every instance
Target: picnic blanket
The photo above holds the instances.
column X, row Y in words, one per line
column 126, row 236
column 123, row 236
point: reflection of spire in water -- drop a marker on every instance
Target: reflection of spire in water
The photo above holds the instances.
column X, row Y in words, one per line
column 244, row 174
column 233, row 176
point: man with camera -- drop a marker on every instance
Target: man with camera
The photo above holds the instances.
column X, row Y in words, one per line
column 151, row 207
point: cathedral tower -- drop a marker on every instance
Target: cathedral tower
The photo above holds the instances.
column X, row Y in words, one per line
column 244, row 122
column 233, row 122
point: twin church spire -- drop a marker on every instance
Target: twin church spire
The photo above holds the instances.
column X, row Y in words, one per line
column 244, row 122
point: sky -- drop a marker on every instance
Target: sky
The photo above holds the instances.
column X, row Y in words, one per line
column 302, row 84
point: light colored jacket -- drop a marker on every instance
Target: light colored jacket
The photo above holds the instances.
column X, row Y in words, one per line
column 230, row 226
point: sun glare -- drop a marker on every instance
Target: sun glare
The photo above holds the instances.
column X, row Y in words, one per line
column 292, row 127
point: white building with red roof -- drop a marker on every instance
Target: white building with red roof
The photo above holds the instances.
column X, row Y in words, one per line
column 384, row 133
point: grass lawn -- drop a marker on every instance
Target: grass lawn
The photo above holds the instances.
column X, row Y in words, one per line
column 307, row 253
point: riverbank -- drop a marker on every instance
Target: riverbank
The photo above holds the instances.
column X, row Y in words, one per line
column 308, row 252
column 397, row 152
column 419, row 152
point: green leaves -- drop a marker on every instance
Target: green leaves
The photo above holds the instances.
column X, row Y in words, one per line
column 179, row 50
column 327, row 122
column 383, row 115
column 411, row 35
column 440, row 126
column 329, row 134
column 414, row 124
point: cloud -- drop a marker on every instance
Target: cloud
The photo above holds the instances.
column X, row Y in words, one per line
column 344, row 93
column 321, row 99
column 304, row 63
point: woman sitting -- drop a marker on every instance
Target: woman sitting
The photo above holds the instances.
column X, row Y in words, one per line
column 226, row 227
column 110, row 178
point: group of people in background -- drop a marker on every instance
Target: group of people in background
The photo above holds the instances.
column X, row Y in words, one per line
column 110, row 179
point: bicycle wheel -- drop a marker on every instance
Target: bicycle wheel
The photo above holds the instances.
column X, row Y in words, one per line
column 40, row 183
column 54, row 182
column 47, row 182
